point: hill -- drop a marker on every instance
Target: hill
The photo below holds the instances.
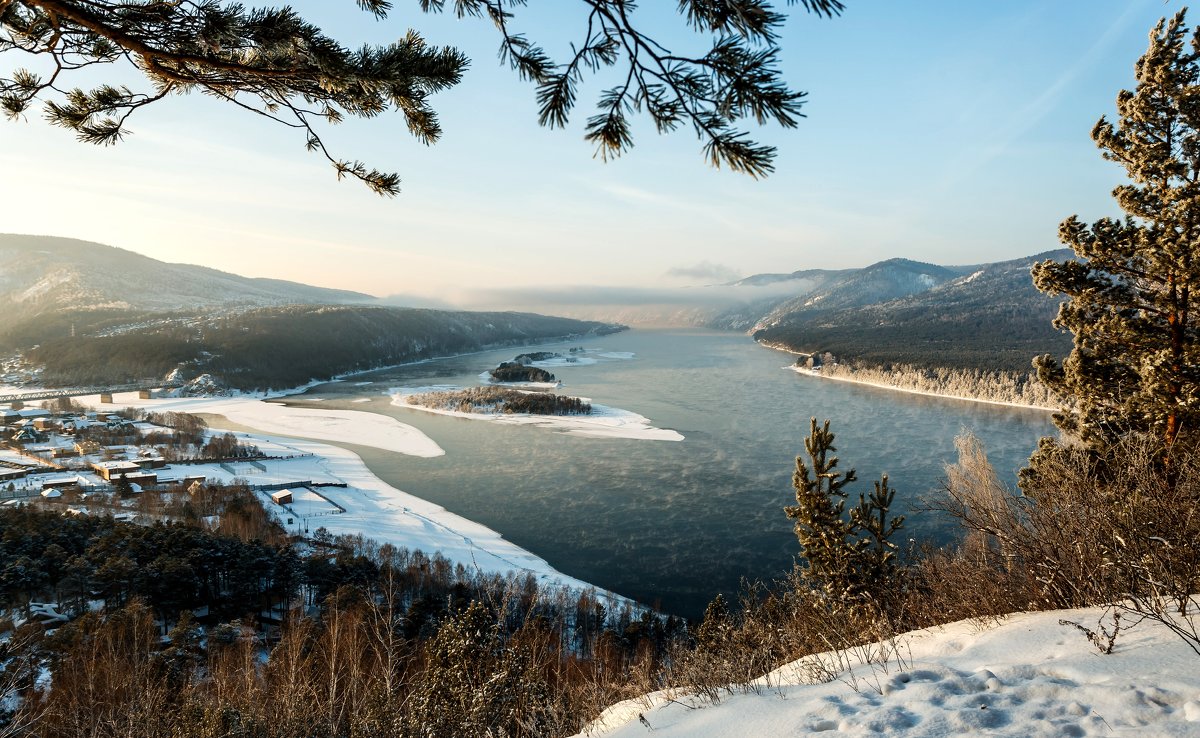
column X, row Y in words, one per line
column 42, row 274
column 87, row 314
column 982, row 316
column 286, row 346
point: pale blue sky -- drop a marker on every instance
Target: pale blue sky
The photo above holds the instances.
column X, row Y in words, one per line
column 951, row 132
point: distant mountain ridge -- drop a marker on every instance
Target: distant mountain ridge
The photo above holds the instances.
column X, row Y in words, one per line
column 45, row 274
column 85, row 314
column 979, row 316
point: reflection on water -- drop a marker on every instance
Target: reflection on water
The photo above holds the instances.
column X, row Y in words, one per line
column 675, row 523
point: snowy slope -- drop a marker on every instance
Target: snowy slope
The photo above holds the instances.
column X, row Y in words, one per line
column 1028, row 676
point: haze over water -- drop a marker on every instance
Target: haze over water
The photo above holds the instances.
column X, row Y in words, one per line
column 676, row 523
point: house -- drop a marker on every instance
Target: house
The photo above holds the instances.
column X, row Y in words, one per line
column 63, row 482
column 282, row 497
column 86, row 448
column 29, row 434
column 110, row 470
column 191, row 482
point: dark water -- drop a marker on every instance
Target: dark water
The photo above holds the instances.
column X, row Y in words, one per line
column 675, row 523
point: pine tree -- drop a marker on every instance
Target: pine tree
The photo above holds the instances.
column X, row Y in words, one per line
column 457, row 693
column 820, row 501
column 716, row 625
column 123, row 487
column 849, row 557
column 1132, row 290
column 878, row 561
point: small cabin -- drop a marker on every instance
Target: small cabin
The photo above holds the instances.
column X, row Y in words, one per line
column 282, row 497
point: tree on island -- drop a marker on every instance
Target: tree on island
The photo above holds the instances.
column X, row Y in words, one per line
column 272, row 62
column 1133, row 290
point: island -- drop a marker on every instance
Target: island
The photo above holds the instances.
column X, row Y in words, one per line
column 514, row 371
column 495, row 400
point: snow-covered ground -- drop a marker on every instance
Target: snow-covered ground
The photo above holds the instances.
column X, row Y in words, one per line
column 486, row 378
column 582, row 358
column 1028, row 676
column 814, row 373
column 344, row 426
column 373, row 508
column 603, row 422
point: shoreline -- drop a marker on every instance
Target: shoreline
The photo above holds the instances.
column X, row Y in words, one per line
column 813, row 373
column 374, row 508
column 290, row 391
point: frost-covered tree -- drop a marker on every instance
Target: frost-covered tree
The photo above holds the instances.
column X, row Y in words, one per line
column 474, row 684
column 849, row 556
column 272, row 62
column 1132, row 291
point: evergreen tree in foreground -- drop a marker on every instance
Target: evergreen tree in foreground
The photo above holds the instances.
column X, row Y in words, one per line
column 850, row 558
column 1132, row 291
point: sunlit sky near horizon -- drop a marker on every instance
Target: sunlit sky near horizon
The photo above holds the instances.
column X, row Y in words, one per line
column 940, row 131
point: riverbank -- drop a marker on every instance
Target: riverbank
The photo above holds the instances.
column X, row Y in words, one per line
column 817, row 372
column 370, row 507
column 879, row 385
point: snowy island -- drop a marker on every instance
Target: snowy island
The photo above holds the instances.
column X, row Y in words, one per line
column 600, row 421
column 499, row 400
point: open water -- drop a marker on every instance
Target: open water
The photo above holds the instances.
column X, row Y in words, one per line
column 676, row 523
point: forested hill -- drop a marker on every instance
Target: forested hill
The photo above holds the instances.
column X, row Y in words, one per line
column 985, row 317
column 287, row 346
column 43, row 275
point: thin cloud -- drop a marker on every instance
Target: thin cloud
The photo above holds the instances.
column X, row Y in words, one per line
column 705, row 271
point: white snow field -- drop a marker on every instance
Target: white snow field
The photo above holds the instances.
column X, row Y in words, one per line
column 603, row 422
column 1029, row 676
column 344, row 426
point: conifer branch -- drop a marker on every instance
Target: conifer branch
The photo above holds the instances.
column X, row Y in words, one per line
column 270, row 60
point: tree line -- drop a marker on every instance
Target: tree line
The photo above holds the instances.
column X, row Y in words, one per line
column 1007, row 387
column 288, row 346
column 502, row 400
column 375, row 640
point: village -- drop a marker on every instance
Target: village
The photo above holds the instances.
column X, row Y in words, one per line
column 132, row 464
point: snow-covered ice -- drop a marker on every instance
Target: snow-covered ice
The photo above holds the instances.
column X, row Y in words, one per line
column 486, row 378
column 603, row 422
column 377, row 510
column 1029, row 676
column 343, row 426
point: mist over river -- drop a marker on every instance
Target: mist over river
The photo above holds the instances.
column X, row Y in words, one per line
column 675, row 523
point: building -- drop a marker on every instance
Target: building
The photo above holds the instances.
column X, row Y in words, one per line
column 282, row 497
column 86, row 448
column 109, row 471
column 150, row 462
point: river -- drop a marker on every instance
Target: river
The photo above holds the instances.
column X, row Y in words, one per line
column 674, row 523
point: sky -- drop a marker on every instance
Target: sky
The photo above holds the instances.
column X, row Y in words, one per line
column 942, row 131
